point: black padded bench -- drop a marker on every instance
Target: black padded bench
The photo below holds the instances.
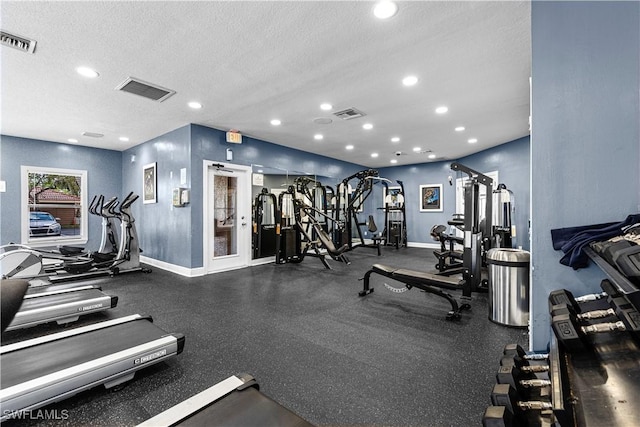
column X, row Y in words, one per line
column 428, row 282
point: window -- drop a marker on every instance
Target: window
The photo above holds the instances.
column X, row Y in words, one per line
column 54, row 206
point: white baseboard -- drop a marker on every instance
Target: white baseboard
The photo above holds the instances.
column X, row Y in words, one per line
column 423, row 245
column 200, row 271
column 178, row 269
column 194, row 272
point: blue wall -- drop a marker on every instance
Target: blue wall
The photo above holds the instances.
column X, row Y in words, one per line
column 164, row 231
column 511, row 160
column 585, row 137
column 104, row 175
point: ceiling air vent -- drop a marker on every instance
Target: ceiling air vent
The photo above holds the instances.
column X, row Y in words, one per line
column 17, row 42
column 93, row 134
column 144, row 89
column 349, row 113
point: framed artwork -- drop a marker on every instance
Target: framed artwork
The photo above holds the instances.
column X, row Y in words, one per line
column 431, row 198
column 392, row 196
column 149, row 183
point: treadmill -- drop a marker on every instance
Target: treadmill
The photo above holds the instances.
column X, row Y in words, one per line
column 54, row 367
column 235, row 401
column 62, row 304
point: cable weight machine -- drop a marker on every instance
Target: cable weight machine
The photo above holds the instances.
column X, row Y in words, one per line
column 395, row 219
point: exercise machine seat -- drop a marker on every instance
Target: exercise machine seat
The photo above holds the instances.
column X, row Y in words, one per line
column 372, row 225
column 12, row 292
column 328, row 243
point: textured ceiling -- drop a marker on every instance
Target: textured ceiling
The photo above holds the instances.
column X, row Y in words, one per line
column 250, row 62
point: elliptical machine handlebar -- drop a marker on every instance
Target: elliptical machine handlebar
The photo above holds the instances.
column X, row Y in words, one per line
column 95, row 202
column 109, row 208
column 131, row 197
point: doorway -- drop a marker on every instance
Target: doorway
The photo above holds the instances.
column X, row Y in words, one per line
column 227, row 216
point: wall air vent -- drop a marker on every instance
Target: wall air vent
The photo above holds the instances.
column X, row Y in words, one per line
column 144, row 89
column 349, row 113
column 17, row 42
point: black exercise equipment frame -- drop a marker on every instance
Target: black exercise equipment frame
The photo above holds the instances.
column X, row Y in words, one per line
column 352, row 204
column 264, row 235
column 427, row 282
column 397, row 238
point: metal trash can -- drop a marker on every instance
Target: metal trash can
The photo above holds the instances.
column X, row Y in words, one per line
column 509, row 286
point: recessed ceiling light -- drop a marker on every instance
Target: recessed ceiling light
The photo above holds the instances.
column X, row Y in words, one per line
column 326, row 107
column 260, row 170
column 87, row 72
column 385, row 9
column 395, row 139
column 195, row 105
column 394, row 161
column 367, row 126
column 349, row 147
column 417, row 149
column 442, row 109
column 472, row 141
column 459, row 129
column 276, row 122
column 410, row 80
column 432, row 156
column 374, row 154
column 124, row 139
column 72, row 140
column 318, row 136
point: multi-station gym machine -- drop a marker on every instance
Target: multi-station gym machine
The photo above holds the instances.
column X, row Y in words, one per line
column 475, row 241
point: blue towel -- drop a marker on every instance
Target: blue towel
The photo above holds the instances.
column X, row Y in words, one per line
column 573, row 240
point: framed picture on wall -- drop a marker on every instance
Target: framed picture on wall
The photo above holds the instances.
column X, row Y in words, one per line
column 431, row 198
column 149, row 183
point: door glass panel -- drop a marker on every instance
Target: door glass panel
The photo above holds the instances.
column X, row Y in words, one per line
column 225, row 223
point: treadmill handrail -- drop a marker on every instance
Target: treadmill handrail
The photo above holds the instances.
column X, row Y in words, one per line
column 87, row 367
column 61, row 291
column 64, row 334
column 90, row 301
column 188, row 407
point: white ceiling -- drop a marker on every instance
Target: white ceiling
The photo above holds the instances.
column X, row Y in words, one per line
column 250, row 62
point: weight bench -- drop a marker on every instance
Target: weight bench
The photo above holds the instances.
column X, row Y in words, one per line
column 428, row 282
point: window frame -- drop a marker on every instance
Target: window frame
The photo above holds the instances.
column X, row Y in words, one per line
column 26, row 239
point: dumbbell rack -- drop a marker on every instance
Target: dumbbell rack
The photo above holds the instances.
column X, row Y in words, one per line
column 599, row 386
column 606, row 382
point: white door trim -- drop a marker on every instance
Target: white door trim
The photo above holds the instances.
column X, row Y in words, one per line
column 245, row 192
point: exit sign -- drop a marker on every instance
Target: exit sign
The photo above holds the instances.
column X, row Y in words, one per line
column 234, row 137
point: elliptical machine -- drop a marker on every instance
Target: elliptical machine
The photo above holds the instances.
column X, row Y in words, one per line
column 19, row 261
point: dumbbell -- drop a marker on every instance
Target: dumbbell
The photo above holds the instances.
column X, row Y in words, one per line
column 520, row 355
column 558, row 309
column 516, row 349
column 524, row 379
column 508, row 410
column 564, row 296
column 573, row 336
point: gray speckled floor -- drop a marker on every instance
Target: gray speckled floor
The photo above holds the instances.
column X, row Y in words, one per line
column 387, row 359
